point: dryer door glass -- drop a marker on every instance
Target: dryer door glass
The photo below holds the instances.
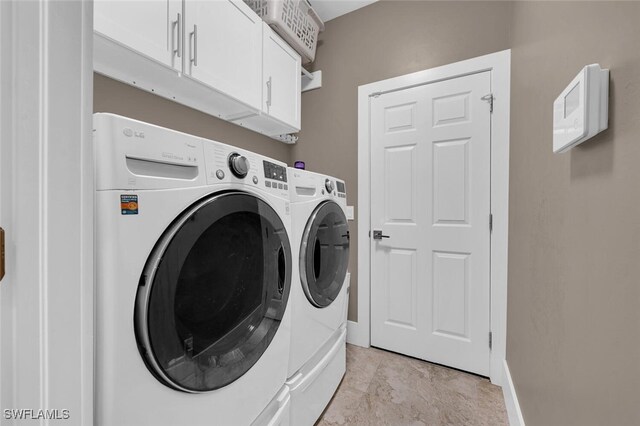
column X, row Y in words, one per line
column 324, row 254
column 213, row 292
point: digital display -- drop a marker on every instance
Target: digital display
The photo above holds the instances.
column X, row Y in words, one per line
column 572, row 100
column 275, row 171
column 340, row 186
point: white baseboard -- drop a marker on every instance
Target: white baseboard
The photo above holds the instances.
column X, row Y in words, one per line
column 510, row 398
column 357, row 335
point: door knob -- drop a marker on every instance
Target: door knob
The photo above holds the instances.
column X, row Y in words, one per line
column 377, row 235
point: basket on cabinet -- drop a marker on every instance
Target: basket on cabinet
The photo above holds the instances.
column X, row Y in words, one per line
column 294, row 20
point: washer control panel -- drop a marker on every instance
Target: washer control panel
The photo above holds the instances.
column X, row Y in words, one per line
column 239, row 165
column 274, row 171
column 275, row 176
column 227, row 164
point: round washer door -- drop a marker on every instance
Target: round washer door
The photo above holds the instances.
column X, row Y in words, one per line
column 213, row 292
column 324, row 254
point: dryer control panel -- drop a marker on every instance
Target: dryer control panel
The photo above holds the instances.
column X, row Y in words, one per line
column 342, row 192
column 307, row 185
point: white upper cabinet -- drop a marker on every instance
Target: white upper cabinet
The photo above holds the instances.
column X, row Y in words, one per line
column 280, row 110
column 281, row 79
column 216, row 56
column 150, row 27
column 223, row 41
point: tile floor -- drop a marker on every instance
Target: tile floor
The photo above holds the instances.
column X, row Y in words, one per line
column 384, row 388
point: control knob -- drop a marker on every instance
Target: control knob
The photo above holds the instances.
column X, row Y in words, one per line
column 239, row 165
column 329, row 185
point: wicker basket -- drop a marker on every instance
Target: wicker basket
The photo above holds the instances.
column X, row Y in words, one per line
column 294, row 20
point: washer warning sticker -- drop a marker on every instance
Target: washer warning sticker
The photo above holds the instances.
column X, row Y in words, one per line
column 128, row 204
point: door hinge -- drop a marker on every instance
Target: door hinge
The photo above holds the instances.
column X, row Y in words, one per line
column 490, row 222
column 488, row 98
column 490, row 340
column 1, row 254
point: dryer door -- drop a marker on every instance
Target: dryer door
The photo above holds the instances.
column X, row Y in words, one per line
column 213, row 292
column 324, row 254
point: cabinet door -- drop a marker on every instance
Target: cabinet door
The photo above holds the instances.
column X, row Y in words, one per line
column 150, row 27
column 281, row 75
column 224, row 44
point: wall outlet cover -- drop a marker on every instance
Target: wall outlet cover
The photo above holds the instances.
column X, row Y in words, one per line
column 350, row 211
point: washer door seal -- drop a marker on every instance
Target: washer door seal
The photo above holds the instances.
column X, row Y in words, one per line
column 324, row 254
column 213, row 292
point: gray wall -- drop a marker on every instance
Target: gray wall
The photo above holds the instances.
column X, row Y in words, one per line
column 118, row 98
column 574, row 249
column 386, row 39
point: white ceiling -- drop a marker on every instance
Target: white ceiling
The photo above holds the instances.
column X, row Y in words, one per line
column 330, row 9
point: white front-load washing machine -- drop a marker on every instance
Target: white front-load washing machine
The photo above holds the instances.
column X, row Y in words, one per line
column 319, row 293
column 193, row 279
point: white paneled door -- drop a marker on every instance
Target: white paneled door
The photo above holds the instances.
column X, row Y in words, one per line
column 430, row 202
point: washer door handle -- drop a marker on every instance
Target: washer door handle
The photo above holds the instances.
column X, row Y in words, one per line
column 282, row 267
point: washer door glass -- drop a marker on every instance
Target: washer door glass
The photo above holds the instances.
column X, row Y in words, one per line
column 324, row 254
column 213, row 292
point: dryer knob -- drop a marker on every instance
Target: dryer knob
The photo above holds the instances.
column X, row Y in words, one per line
column 239, row 165
column 329, row 185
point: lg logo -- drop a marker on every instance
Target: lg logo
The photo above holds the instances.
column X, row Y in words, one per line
column 129, row 132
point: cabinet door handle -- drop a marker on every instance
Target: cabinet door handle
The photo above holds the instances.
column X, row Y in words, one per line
column 177, row 39
column 269, row 92
column 194, row 45
column 1, row 254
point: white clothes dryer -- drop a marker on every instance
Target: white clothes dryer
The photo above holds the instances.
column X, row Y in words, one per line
column 193, row 281
column 319, row 293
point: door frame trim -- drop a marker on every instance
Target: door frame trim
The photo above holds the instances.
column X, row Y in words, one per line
column 499, row 64
column 47, row 328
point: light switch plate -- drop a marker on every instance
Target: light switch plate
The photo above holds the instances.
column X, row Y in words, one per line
column 349, row 212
